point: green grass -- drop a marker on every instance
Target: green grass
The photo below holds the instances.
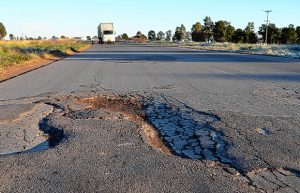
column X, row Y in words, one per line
column 16, row 52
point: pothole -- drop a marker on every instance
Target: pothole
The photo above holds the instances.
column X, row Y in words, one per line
column 176, row 130
column 24, row 132
column 187, row 132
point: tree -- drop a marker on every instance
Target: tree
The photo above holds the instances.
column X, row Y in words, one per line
column 223, row 31
column 139, row 35
column 288, row 35
column 197, row 34
column 11, row 36
column 298, row 33
column 169, row 35
column 219, row 31
column 88, row 38
column 250, row 35
column 39, row 38
column 230, row 30
column 178, row 36
column 3, row 32
column 239, row 36
column 125, row 36
column 273, row 33
column 151, row 35
column 54, row 37
column 208, row 28
column 189, row 36
column 160, row 35
column 183, row 31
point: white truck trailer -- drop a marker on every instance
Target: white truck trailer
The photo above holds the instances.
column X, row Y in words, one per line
column 106, row 33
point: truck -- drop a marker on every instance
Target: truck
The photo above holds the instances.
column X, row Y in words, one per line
column 106, row 33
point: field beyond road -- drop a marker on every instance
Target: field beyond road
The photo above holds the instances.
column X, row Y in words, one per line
column 134, row 117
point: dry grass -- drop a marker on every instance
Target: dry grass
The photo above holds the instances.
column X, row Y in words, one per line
column 16, row 52
column 275, row 50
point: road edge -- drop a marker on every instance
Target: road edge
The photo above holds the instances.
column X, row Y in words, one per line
column 40, row 65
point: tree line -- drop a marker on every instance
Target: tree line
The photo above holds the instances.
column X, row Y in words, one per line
column 223, row 31
column 208, row 31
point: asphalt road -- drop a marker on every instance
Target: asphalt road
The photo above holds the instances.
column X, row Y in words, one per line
column 257, row 99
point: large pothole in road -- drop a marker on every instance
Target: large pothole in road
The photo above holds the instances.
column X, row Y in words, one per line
column 177, row 130
column 23, row 128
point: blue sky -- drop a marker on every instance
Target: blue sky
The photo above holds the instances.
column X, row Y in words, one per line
column 81, row 18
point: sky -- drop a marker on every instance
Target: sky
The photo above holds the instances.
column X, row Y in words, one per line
column 80, row 18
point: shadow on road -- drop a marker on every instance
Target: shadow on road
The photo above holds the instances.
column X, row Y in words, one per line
column 176, row 55
column 270, row 77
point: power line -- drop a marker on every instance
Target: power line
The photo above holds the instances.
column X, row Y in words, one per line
column 267, row 25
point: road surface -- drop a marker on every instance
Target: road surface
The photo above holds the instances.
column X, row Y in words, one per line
column 256, row 98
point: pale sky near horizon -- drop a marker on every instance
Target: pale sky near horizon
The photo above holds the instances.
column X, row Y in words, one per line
column 80, row 18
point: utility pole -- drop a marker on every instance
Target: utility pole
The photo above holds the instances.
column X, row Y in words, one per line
column 267, row 25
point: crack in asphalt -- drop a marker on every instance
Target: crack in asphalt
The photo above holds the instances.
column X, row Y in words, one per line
column 186, row 132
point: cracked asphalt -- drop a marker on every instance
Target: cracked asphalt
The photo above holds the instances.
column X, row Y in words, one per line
column 244, row 107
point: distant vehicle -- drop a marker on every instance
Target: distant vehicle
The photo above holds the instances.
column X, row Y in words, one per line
column 106, row 33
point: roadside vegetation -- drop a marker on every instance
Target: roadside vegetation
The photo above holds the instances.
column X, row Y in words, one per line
column 246, row 48
column 223, row 36
column 16, row 52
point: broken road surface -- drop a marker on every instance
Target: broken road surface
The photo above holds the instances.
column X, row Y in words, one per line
column 142, row 118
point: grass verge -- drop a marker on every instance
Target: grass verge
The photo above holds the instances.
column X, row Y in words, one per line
column 292, row 51
column 17, row 52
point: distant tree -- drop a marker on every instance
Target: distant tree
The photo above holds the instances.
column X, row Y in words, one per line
column 140, row 35
column 223, row 31
column 45, row 38
column 151, row 35
column 125, row 36
column 298, row 33
column 178, row 36
column 250, row 35
column 197, row 33
column 208, row 28
column 169, row 35
column 219, row 31
column 11, row 36
column 88, row 38
column 239, row 36
column 39, row 38
column 189, row 36
column 3, row 32
column 30, row 38
column 161, row 35
column 288, row 35
column 95, row 37
column 21, row 38
column 230, row 30
column 273, row 33
column 54, row 37
column 183, row 31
